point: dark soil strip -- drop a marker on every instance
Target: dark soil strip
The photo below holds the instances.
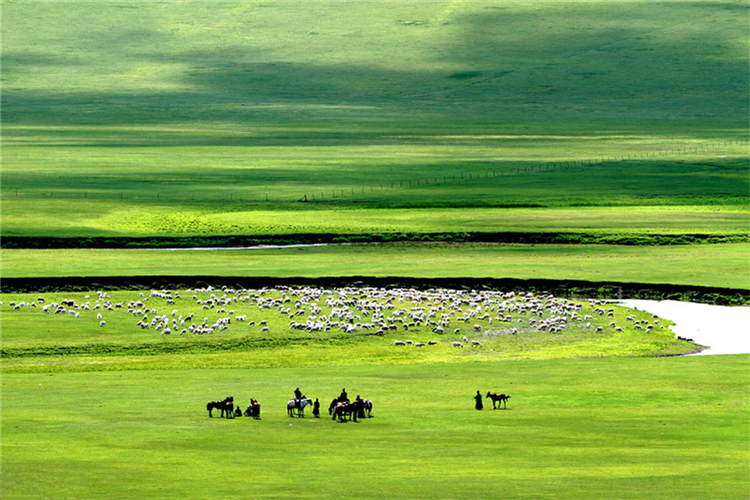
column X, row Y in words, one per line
column 561, row 288
column 20, row 242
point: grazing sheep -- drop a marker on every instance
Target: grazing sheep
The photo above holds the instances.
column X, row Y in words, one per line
column 102, row 323
column 398, row 342
column 431, row 342
column 476, row 343
column 457, row 344
column 418, row 344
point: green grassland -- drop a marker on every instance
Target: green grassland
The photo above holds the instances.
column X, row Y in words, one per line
column 150, row 118
column 621, row 428
column 721, row 265
column 165, row 118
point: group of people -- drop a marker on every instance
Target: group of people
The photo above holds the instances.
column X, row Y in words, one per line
column 253, row 410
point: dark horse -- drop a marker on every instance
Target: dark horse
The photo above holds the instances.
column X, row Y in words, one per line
column 333, row 404
column 498, row 398
column 226, row 407
column 347, row 411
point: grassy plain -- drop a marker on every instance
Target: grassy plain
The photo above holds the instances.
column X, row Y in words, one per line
column 722, row 265
column 218, row 120
column 193, row 118
column 665, row 428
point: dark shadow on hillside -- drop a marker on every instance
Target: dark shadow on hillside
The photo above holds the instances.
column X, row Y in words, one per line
column 604, row 67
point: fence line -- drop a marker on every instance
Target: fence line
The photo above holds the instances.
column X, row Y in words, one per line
column 341, row 194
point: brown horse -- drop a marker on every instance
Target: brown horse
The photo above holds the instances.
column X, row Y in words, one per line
column 333, row 404
column 498, row 398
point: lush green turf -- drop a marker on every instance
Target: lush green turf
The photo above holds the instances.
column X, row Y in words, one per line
column 664, row 428
column 723, row 265
column 192, row 118
column 217, row 120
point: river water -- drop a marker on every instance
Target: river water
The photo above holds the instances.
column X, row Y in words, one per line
column 723, row 329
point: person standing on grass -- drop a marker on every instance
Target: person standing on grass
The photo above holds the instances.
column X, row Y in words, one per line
column 316, row 408
column 479, row 405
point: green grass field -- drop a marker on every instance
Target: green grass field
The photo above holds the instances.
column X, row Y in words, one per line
column 722, row 265
column 145, row 119
column 667, row 428
column 218, row 120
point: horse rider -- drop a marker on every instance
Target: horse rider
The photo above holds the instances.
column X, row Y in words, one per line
column 316, row 408
column 297, row 393
column 344, row 397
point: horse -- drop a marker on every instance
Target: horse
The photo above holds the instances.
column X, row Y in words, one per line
column 299, row 405
column 368, row 408
column 343, row 410
column 226, row 406
column 499, row 398
column 332, row 406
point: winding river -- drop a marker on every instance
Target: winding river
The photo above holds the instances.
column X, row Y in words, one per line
column 724, row 330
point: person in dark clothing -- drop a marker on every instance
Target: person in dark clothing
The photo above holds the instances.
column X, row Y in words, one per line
column 316, row 408
column 360, row 407
column 297, row 393
column 479, row 405
column 238, row 411
column 344, row 396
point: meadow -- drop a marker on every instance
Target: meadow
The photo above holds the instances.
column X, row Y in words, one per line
column 711, row 265
column 411, row 118
column 620, row 428
column 622, row 123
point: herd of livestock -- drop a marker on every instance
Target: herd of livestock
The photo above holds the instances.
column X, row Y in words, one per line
column 452, row 315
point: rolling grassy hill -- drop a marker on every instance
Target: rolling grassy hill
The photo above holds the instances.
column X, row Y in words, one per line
column 118, row 117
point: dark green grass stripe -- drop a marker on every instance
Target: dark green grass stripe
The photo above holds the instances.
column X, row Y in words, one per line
column 228, row 241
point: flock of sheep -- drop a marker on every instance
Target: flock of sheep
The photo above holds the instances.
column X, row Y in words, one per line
column 352, row 310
